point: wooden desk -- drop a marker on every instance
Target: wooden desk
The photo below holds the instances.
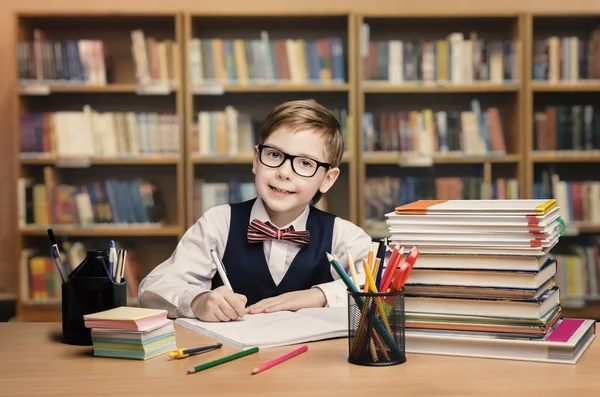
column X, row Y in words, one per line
column 34, row 363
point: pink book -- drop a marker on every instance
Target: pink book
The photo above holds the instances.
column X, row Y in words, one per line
column 124, row 317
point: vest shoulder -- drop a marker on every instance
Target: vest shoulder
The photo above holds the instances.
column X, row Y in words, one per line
column 320, row 213
column 242, row 204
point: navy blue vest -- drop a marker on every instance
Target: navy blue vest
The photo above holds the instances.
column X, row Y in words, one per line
column 247, row 268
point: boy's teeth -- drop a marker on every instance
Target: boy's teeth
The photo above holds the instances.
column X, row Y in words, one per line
column 281, row 190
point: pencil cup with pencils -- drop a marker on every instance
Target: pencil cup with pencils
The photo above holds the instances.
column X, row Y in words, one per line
column 376, row 328
column 89, row 289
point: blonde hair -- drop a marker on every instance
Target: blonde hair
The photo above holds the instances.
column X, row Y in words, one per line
column 307, row 115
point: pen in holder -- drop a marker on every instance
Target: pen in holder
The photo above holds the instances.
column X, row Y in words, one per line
column 376, row 328
column 89, row 289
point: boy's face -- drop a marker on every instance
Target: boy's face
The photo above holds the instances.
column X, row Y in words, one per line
column 285, row 193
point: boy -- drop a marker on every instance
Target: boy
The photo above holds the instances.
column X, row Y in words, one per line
column 295, row 163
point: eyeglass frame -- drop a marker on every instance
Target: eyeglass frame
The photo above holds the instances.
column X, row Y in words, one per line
column 286, row 156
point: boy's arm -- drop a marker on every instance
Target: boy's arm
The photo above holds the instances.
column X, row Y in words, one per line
column 346, row 237
column 175, row 283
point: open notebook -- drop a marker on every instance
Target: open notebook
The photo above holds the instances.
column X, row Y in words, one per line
column 275, row 329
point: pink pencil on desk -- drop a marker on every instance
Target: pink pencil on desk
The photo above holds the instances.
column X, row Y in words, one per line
column 279, row 360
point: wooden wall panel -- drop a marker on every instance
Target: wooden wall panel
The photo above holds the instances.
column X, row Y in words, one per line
column 8, row 254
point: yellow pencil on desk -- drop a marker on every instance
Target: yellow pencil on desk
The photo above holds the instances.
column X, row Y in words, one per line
column 183, row 352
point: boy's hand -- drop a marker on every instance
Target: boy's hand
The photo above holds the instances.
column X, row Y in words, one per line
column 220, row 304
column 293, row 301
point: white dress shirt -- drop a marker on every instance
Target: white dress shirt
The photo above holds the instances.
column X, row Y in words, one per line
column 173, row 284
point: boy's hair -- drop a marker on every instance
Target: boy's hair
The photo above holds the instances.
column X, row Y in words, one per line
column 307, row 115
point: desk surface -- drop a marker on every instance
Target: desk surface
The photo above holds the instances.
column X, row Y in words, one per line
column 34, row 363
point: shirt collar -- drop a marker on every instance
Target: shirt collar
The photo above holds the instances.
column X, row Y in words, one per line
column 260, row 212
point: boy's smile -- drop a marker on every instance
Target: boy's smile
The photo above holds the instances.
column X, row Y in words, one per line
column 285, row 193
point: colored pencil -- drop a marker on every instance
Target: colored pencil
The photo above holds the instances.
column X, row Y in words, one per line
column 279, row 359
column 389, row 269
column 338, row 268
column 352, row 268
column 382, row 313
column 223, row 360
column 183, row 353
column 381, row 263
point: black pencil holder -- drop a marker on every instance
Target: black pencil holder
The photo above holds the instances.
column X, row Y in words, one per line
column 89, row 289
column 376, row 328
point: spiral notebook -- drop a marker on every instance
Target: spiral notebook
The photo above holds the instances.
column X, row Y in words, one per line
column 266, row 330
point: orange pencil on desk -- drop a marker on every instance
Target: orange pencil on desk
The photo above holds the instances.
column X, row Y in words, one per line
column 279, row 360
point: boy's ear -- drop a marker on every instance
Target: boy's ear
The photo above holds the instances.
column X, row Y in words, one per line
column 255, row 160
column 330, row 178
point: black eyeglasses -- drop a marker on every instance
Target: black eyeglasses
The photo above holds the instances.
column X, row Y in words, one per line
column 303, row 166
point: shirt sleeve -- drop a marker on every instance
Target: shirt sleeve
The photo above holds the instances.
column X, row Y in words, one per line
column 175, row 283
column 346, row 237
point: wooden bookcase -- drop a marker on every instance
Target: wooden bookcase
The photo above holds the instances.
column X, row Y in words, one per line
column 389, row 48
column 247, row 89
column 199, row 91
column 97, row 148
column 558, row 143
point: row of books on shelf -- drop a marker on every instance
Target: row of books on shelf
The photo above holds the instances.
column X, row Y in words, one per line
column 231, row 132
column 471, row 132
column 383, row 193
column 579, row 200
column 58, row 62
column 156, row 61
column 113, row 201
column 61, row 62
column 455, row 59
column 574, row 127
column 566, row 58
column 98, row 134
column 262, row 60
column 40, row 282
column 578, row 273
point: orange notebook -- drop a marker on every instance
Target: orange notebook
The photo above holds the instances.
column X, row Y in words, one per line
column 128, row 318
column 508, row 207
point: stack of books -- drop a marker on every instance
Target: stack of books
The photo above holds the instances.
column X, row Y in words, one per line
column 484, row 283
column 131, row 332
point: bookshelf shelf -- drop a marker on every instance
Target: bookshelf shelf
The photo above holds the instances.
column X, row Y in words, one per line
column 567, row 86
column 397, row 158
column 565, row 157
column 369, row 87
column 126, row 88
column 100, row 141
column 272, row 88
column 143, row 160
column 127, row 231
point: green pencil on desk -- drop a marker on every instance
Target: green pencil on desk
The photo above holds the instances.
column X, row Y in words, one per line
column 223, row 360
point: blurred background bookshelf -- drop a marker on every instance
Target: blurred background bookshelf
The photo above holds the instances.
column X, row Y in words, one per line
column 563, row 144
column 525, row 91
column 440, row 98
column 241, row 66
column 99, row 119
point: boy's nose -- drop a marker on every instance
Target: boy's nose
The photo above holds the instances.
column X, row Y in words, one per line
column 285, row 169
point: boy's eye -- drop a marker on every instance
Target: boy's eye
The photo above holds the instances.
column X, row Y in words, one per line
column 274, row 154
column 304, row 163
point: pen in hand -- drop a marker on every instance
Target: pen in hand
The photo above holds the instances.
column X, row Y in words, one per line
column 222, row 273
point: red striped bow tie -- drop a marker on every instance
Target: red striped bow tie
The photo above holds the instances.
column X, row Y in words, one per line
column 260, row 231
